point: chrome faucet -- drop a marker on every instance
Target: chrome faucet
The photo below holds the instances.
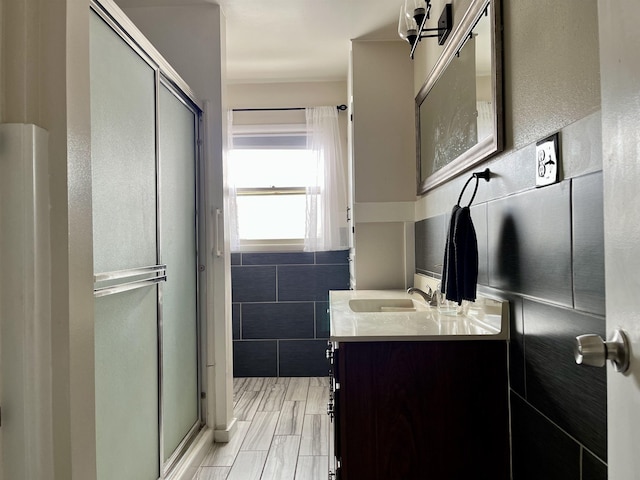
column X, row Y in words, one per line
column 430, row 297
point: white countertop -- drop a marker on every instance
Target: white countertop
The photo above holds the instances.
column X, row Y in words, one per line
column 486, row 319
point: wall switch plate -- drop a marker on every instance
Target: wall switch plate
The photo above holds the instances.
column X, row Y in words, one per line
column 547, row 161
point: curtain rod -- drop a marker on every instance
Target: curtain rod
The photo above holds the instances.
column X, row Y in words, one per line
column 339, row 107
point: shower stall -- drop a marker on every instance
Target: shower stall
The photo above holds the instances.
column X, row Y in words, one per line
column 145, row 164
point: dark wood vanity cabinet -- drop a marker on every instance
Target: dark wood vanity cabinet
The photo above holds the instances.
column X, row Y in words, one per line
column 419, row 410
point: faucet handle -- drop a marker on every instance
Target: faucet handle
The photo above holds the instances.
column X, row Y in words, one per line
column 436, row 298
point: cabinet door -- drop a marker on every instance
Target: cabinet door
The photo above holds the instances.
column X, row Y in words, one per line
column 408, row 410
column 334, row 411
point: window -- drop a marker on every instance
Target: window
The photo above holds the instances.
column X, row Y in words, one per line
column 272, row 174
column 286, row 185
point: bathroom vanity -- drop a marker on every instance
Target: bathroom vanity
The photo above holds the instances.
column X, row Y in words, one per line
column 417, row 393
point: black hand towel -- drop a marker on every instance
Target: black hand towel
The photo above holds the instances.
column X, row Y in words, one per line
column 448, row 284
column 466, row 256
column 460, row 267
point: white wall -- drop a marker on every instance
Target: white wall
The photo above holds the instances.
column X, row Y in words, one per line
column 287, row 94
column 45, row 66
column 383, row 163
column 25, row 298
column 383, row 122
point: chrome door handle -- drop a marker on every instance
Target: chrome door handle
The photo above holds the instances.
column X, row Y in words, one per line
column 592, row 350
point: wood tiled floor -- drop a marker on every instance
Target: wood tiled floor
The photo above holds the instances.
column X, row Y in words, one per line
column 282, row 434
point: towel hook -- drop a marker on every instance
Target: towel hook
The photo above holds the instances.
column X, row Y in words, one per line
column 486, row 174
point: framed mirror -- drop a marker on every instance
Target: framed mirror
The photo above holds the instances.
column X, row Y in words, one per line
column 459, row 119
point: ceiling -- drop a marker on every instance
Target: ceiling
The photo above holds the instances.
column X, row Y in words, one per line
column 295, row 40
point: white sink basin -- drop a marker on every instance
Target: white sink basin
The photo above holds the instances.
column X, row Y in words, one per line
column 386, row 305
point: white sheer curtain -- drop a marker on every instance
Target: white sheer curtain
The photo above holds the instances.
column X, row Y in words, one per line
column 326, row 223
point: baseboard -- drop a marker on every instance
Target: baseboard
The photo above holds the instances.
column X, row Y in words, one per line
column 187, row 467
column 224, row 435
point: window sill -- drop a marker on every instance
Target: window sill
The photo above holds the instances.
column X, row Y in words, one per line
column 273, row 246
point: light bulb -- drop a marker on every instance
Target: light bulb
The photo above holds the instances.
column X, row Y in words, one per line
column 416, row 9
column 406, row 26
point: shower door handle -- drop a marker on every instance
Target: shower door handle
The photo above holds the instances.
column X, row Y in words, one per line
column 218, row 248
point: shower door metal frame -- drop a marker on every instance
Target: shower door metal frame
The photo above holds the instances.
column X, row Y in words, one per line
column 115, row 282
column 166, row 467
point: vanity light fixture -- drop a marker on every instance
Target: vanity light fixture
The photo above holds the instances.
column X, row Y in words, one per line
column 413, row 18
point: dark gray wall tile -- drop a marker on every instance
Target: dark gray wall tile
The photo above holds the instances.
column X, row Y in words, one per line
column 278, row 320
column 588, row 244
column 277, row 258
column 311, row 283
column 236, row 259
column 592, row 467
column 516, row 346
column 530, row 244
column 516, row 337
column 540, row 450
column 323, row 326
column 430, row 240
column 511, row 172
column 235, row 320
column 255, row 358
column 479, row 218
column 335, row 257
column 261, row 319
column 573, row 396
column 253, row 284
column 303, row 358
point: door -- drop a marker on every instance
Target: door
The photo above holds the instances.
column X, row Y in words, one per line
column 620, row 89
column 125, row 254
column 144, row 163
column 179, row 389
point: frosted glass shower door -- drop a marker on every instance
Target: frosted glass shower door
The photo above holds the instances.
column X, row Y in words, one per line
column 123, row 151
column 177, row 133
